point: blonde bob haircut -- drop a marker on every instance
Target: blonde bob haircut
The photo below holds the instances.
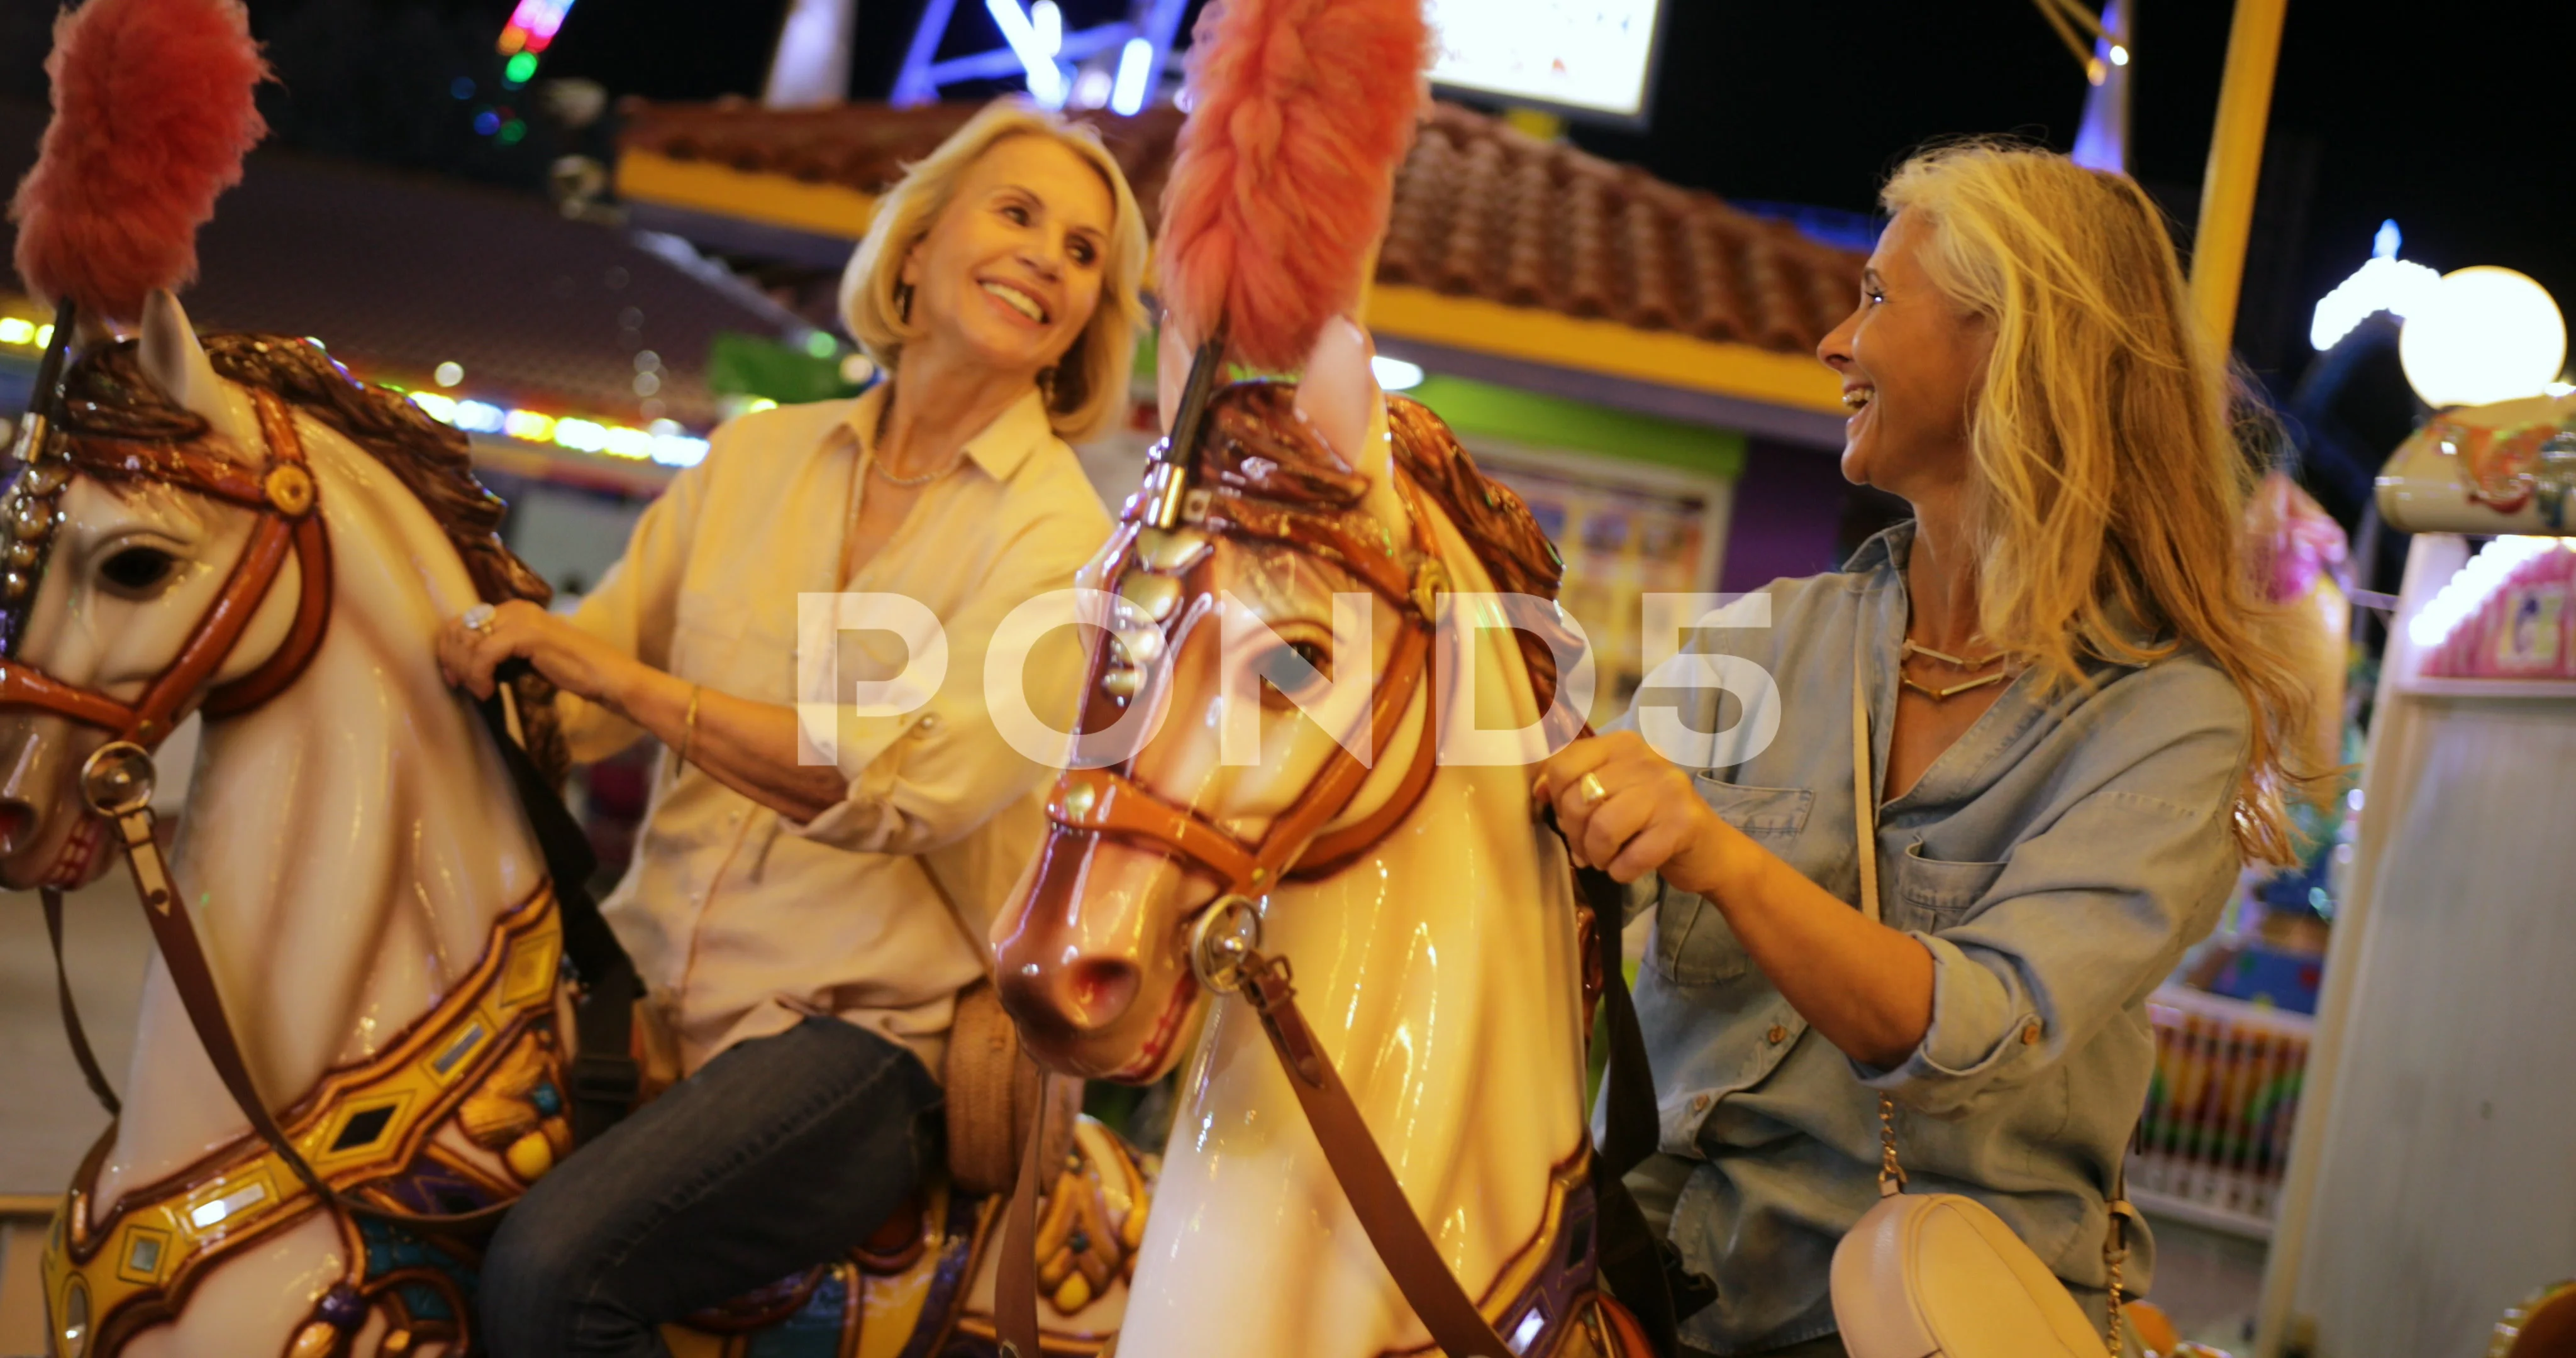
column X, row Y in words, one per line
column 2110, row 480
column 1089, row 389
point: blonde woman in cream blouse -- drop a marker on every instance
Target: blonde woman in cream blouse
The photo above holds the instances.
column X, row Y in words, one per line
column 781, row 908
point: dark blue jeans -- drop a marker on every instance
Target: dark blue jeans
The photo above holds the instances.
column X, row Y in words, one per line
column 777, row 1155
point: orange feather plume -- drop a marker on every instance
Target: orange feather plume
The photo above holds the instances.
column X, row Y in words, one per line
column 1301, row 110
column 153, row 113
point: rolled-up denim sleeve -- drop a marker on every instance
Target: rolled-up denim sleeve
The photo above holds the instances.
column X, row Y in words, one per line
column 2087, row 916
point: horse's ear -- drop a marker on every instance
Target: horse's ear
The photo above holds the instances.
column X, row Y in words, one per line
column 177, row 364
column 1339, row 397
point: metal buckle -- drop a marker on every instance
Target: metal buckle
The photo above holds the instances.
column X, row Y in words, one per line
column 1222, row 941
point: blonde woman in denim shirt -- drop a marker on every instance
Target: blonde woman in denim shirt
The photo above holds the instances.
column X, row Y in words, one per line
column 2077, row 717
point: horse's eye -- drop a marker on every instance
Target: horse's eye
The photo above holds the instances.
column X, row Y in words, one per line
column 1280, row 669
column 136, row 569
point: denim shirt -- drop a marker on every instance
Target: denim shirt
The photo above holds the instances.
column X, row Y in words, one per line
column 2055, row 862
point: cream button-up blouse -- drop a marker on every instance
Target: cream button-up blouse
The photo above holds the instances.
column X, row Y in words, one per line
column 741, row 921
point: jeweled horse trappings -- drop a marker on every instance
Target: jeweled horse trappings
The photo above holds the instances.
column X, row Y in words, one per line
column 1411, row 1106
column 358, row 929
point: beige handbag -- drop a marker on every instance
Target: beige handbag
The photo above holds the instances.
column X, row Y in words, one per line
column 1938, row 1275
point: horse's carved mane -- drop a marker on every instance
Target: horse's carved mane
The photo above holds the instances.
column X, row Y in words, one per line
column 1260, row 447
column 107, row 395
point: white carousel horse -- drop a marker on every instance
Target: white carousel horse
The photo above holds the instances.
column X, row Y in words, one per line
column 372, row 906
column 1434, row 930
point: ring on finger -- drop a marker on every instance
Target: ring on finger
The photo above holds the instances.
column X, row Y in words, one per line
column 479, row 617
column 1591, row 790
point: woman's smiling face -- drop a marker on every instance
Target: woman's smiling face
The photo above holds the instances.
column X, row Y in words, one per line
column 1910, row 360
column 1011, row 270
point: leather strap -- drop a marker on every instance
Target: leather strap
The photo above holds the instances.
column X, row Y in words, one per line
column 1015, row 1284
column 175, row 933
column 2115, row 1241
column 72, row 1028
column 604, row 1076
column 1407, row 1250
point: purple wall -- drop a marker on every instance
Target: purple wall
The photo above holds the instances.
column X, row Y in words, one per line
column 1788, row 516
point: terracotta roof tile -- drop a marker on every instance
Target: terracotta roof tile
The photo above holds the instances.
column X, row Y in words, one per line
column 1480, row 210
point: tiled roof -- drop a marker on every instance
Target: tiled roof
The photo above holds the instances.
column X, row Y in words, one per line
column 1480, row 210
column 399, row 273
column 1483, row 210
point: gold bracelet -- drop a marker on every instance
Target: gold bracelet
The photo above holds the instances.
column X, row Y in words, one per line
column 689, row 724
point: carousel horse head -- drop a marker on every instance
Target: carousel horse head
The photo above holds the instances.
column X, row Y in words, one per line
column 166, row 556
column 1262, row 712
column 120, row 549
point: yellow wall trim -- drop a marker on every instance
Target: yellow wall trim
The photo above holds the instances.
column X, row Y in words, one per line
column 773, row 199
column 1796, row 381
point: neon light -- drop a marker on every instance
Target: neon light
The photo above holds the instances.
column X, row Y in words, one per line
column 529, row 425
column 533, row 25
column 819, row 344
column 629, row 443
column 477, row 417
column 1134, row 61
column 15, row 331
column 437, row 407
column 679, row 450
column 2459, row 599
column 1046, row 82
column 1394, row 374
column 582, row 436
column 449, row 373
column 1048, row 20
column 2383, row 283
column 520, row 68
column 44, row 335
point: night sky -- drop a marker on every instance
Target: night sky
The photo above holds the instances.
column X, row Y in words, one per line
column 2451, row 119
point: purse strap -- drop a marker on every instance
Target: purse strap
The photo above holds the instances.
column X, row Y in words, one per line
column 1891, row 1175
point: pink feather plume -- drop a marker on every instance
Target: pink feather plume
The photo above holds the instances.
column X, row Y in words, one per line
column 152, row 116
column 1302, row 110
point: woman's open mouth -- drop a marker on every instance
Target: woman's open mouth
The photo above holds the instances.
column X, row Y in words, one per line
column 1016, row 298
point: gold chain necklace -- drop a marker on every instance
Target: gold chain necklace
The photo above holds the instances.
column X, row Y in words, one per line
column 1913, row 648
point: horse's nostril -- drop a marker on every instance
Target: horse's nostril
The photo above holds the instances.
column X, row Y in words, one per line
column 16, row 820
column 1101, row 990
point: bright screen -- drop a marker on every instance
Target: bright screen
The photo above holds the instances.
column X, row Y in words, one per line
column 1588, row 55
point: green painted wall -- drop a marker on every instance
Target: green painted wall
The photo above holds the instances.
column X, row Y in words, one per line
column 1539, row 421
column 1545, row 422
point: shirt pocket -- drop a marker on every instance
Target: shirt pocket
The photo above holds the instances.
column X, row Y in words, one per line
column 1766, row 813
column 1694, row 945
column 1931, row 894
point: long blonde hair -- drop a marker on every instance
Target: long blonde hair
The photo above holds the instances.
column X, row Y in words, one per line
column 2111, row 481
column 1089, row 391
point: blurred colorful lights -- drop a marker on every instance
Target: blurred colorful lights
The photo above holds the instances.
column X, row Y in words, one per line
column 533, row 25
column 665, row 442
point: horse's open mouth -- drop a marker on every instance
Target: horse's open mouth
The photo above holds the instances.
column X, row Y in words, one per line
column 1150, row 1057
column 72, row 865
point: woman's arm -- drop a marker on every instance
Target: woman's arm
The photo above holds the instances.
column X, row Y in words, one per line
column 748, row 746
column 1866, row 987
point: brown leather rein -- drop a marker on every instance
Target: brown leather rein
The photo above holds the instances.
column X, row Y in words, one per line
column 284, row 497
column 1223, row 940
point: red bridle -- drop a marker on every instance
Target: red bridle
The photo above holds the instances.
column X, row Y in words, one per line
column 1162, row 571
column 284, row 497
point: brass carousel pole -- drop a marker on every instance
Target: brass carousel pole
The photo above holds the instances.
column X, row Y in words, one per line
column 2235, row 164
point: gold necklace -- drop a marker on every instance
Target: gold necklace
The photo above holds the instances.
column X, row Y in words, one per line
column 1913, row 648
column 908, row 482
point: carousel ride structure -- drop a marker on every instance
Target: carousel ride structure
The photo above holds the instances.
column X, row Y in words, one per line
column 237, row 527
